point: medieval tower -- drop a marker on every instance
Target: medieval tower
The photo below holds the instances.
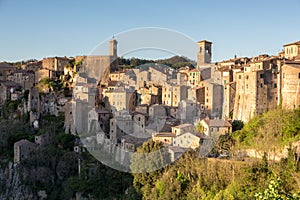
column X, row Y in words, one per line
column 204, row 53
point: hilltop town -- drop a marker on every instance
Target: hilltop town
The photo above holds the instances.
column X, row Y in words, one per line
column 120, row 108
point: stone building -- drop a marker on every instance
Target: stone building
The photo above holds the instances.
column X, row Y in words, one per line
column 183, row 128
column 175, row 152
column 98, row 67
column 6, row 89
column 44, row 139
column 140, row 122
column 34, row 103
column 292, row 51
column 215, row 127
column 165, row 137
column 210, row 97
column 172, row 94
column 204, row 55
column 130, row 143
column 187, row 140
column 56, row 64
column 117, row 75
column 193, row 77
column 23, row 149
column 290, row 85
column 6, row 70
column 120, row 125
column 146, row 96
column 121, row 98
column 42, row 74
column 26, row 79
column 101, row 116
column 187, row 110
column 256, row 88
column 69, row 122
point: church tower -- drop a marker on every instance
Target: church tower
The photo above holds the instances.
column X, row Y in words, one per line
column 204, row 53
column 113, row 47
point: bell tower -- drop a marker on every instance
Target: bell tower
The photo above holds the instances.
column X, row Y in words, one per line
column 204, row 53
column 113, row 47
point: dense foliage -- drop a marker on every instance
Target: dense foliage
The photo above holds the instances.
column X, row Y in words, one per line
column 192, row 177
column 173, row 62
column 275, row 128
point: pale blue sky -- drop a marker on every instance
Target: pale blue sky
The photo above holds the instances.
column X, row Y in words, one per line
column 39, row 28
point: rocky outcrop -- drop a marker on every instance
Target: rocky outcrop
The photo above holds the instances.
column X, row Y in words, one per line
column 11, row 184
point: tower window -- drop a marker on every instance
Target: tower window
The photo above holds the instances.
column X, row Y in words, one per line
column 200, row 49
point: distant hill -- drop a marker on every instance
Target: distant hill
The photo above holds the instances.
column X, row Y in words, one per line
column 175, row 59
column 177, row 62
column 174, row 62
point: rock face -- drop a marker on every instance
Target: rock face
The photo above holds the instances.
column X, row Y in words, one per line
column 11, row 185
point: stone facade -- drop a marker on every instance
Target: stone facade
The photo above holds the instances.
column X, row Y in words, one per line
column 23, row 149
column 215, row 127
column 26, row 79
column 6, row 70
column 172, row 94
column 290, row 85
column 6, row 89
column 204, row 53
column 252, row 86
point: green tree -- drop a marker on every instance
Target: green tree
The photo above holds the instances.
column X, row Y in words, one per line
column 199, row 128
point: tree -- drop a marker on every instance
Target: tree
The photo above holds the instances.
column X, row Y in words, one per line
column 275, row 191
column 199, row 127
column 147, row 165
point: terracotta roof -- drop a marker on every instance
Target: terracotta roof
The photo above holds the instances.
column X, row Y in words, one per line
column 6, row 66
column 217, row 123
column 194, row 70
column 205, row 41
column 164, row 134
column 294, row 43
column 183, row 125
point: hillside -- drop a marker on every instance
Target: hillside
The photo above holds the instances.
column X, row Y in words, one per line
column 191, row 177
column 174, row 62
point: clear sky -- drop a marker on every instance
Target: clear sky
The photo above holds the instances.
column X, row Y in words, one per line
column 40, row 28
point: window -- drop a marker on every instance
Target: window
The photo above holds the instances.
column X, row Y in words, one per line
column 299, row 75
column 200, row 50
column 240, row 76
column 261, row 75
column 275, row 85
